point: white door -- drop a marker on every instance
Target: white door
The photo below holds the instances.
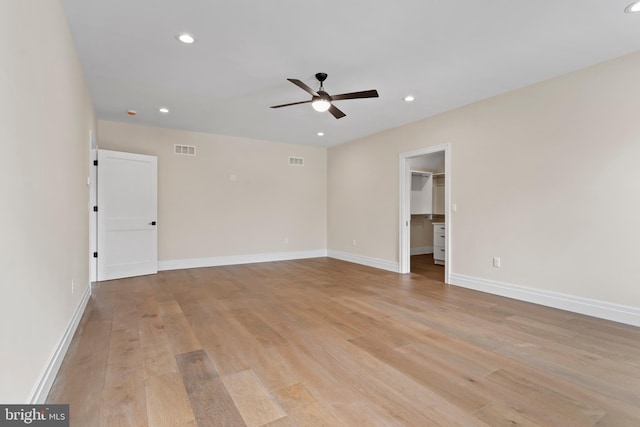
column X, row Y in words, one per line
column 127, row 215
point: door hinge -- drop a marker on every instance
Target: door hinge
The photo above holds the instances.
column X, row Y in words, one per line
column 95, row 254
column 95, row 163
column 95, row 209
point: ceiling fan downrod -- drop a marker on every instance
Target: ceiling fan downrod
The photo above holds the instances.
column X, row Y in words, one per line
column 321, row 78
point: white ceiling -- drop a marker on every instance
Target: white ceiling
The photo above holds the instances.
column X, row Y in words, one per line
column 445, row 53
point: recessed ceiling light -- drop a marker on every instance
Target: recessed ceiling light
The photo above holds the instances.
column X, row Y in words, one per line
column 409, row 98
column 163, row 110
column 320, row 133
column 186, row 38
column 633, row 7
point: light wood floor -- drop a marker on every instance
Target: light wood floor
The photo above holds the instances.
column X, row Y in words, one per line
column 325, row 342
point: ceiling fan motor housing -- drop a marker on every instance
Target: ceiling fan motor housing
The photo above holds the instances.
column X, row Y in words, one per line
column 322, row 95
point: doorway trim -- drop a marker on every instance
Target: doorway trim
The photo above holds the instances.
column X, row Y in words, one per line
column 405, row 209
column 93, row 201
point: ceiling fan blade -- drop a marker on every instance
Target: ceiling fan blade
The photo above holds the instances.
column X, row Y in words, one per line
column 303, row 86
column 293, row 103
column 355, row 95
column 335, row 111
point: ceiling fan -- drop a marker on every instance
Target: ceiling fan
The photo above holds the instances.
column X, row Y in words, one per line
column 322, row 101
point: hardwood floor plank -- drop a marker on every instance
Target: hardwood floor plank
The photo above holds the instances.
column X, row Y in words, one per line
column 255, row 403
column 321, row 384
column 578, row 367
column 623, row 353
column 226, row 342
column 304, row 409
column 318, row 318
column 283, row 422
column 498, row 415
column 80, row 382
column 385, row 395
column 168, row 403
column 211, row 403
column 464, row 392
column 294, row 396
column 178, row 329
column 617, row 420
column 124, row 401
column 271, row 368
column 262, row 332
column 158, row 355
column 541, row 328
column 545, row 404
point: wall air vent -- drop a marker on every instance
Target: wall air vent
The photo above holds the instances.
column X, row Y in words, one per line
column 296, row 161
column 185, row 150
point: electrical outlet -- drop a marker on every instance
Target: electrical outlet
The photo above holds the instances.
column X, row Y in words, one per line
column 73, row 286
column 286, row 240
column 354, row 242
column 496, row 261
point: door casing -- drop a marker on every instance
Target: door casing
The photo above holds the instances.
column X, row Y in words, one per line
column 405, row 207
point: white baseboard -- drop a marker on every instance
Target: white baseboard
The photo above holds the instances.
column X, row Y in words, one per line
column 601, row 309
column 179, row 264
column 422, row 250
column 365, row 260
column 43, row 385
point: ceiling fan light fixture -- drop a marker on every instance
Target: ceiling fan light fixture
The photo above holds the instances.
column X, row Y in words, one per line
column 321, row 105
column 633, row 7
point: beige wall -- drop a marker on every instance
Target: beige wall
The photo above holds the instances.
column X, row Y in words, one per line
column 45, row 117
column 545, row 177
column 203, row 214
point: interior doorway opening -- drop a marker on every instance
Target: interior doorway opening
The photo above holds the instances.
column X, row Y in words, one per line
column 425, row 188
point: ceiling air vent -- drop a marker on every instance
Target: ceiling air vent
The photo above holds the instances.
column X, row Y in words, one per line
column 296, row 161
column 186, row 150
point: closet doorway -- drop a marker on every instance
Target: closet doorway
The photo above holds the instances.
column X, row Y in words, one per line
column 425, row 188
